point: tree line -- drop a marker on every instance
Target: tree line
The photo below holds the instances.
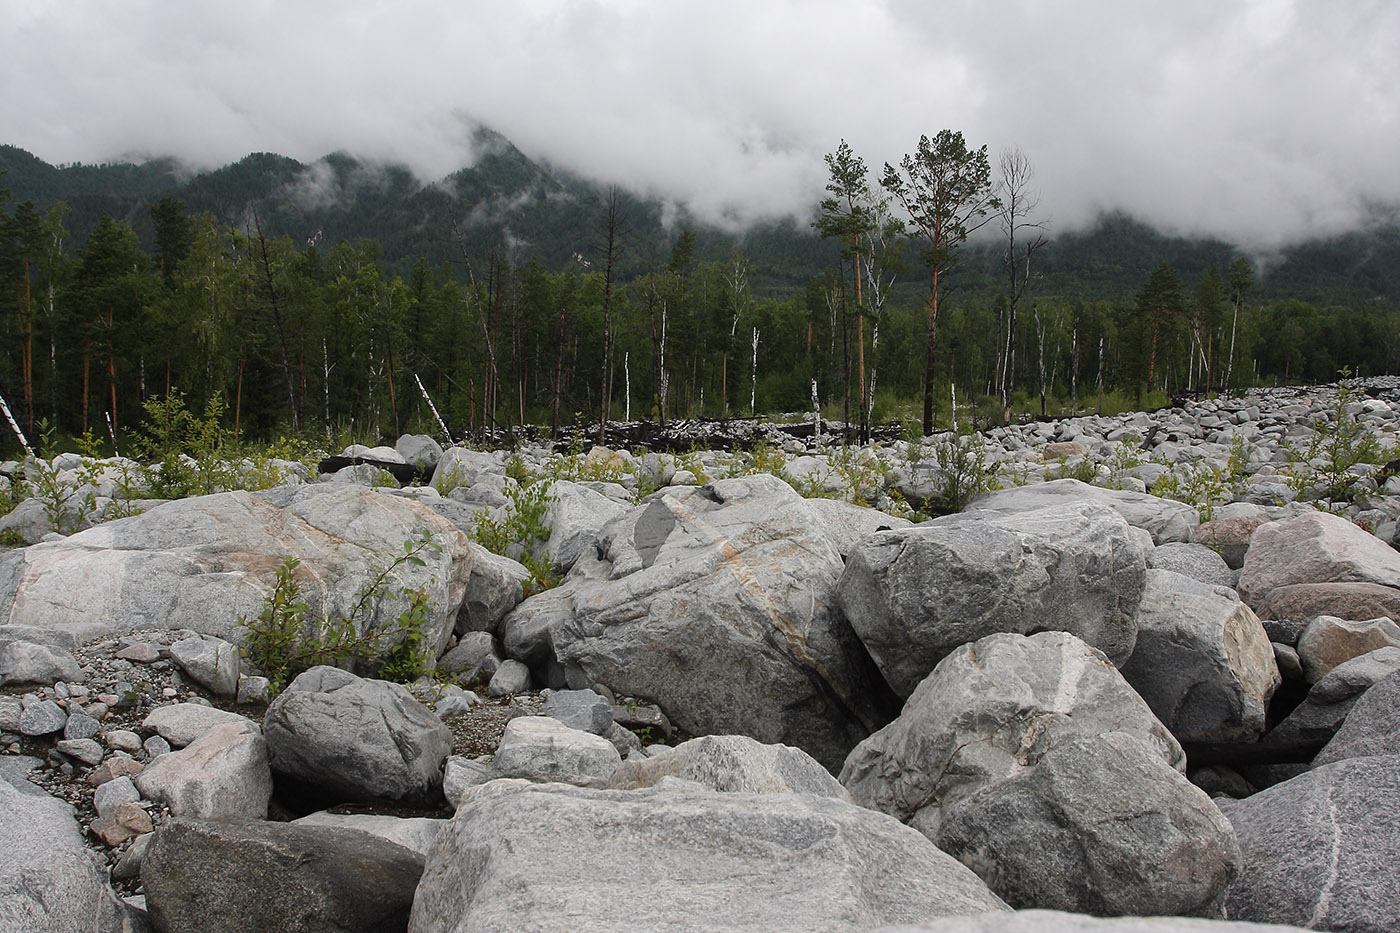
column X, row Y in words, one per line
column 324, row 342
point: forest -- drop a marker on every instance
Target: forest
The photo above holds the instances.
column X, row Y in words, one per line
column 587, row 309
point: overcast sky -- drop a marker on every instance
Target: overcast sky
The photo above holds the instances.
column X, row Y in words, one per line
column 1261, row 121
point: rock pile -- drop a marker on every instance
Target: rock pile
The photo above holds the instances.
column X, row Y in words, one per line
column 740, row 708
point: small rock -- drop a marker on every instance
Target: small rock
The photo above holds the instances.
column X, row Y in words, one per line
column 123, row 740
column 510, row 678
column 43, row 718
column 126, row 821
column 129, row 864
column 116, row 791
column 460, row 773
column 156, row 746
column 10, row 711
column 87, row 751
column 23, row 662
column 114, row 767
column 80, row 726
column 253, row 689
column 182, row 723
column 141, row 653
column 210, row 662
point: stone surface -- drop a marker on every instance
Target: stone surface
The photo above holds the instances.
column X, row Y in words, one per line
column 494, row 587
column 538, row 748
column 1314, row 852
column 210, row 662
column 716, row 603
column 1303, row 602
column 1312, row 548
column 1228, row 537
column 511, row 677
column 1053, row 921
column 222, row 877
column 913, row 596
column 415, row 833
column 1165, row 519
column 201, row 563
column 675, row 856
column 356, row 738
column 1192, row 560
column 849, row 525
column 222, row 775
column 182, row 723
column 49, row 881
column 1329, row 641
column 1203, row 662
column 474, row 656
column 1316, row 720
column 1031, row 759
column 1371, row 727
column 43, row 718
column 579, row 709
column 23, row 662
column 575, row 518
column 732, row 764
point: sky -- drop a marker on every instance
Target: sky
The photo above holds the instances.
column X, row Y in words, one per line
column 1259, row 121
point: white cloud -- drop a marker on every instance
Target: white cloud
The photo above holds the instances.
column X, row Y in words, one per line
column 1259, row 121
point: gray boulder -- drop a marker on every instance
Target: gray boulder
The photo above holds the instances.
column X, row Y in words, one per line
column 25, row 662
column 50, row 882
column 495, row 587
column 182, row 723
column 1192, row 560
column 511, row 677
column 579, row 709
column 734, row 764
column 1371, row 727
column 717, row 604
column 42, row 718
column 538, row 748
column 415, row 833
column 1203, row 662
column 203, row 562
column 1316, row 720
column 1165, row 519
column 575, row 518
column 1033, row 761
column 210, row 662
column 676, row 856
column 1317, row 851
column 419, row 450
column 223, row 775
column 232, row 877
column 1328, row 641
column 1054, row 921
column 1316, row 547
column 1300, row 603
column 849, row 524
column 473, row 656
column 1228, row 537
column 356, row 738
column 915, row 595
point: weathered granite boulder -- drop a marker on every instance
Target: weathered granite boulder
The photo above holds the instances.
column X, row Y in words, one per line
column 550, row 857
column 915, row 595
column 1316, row 547
column 849, row 524
column 1192, row 560
column 203, row 562
column 1328, row 641
column 182, row 723
column 232, row 877
column 355, row 738
column 223, row 775
column 575, row 518
column 1054, row 921
column 1203, row 662
column 25, row 662
column 1228, row 537
column 1316, row 720
column 579, row 709
column 538, row 748
column 210, row 662
column 495, row 586
column 1033, row 761
column 1318, row 851
column 1165, row 519
column 1303, row 602
column 415, row 833
column 717, row 604
column 49, row 881
column 1371, row 727
column 733, row 764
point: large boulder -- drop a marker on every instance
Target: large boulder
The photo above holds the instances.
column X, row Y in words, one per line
column 1319, row 851
column 551, row 857
column 717, row 604
column 1056, row 921
column 49, row 881
column 204, row 562
column 1328, row 641
column 1300, row 603
column 1203, row 661
column 1314, row 722
column 575, row 518
column 1033, row 761
column 1165, row 519
column 224, row 775
column 495, row 586
column 916, row 594
column 231, row 877
column 849, row 524
column 1371, row 727
column 1316, row 547
column 357, row 739
column 733, row 764
column 538, row 748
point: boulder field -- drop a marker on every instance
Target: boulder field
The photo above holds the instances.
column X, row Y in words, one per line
column 1068, row 706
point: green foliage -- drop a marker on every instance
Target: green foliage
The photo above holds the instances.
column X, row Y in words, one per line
column 520, row 532
column 964, row 472
column 1204, row 484
column 1324, row 471
column 185, row 451
column 286, row 639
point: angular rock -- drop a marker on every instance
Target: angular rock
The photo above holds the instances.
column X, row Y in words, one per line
column 1166, row 520
column 472, row 657
column 1032, row 760
column 495, row 587
column 1228, row 537
column 677, row 855
column 460, row 774
column 201, row 563
column 49, row 881
column 1316, row 720
column 122, row 822
column 575, row 518
column 511, row 677
column 1303, row 602
column 80, row 726
column 117, row 791
column 538, row 748
column 415, row 833
column 1203, row 662
column 223, row 775
column 419, row 450
column 357, row 738
column 43, row 718
column 1316, row 547
column 210, row 662
column 1192, row 560
column 23, row 662
column 87, row 751
column 913, row 596
column 1329, row 641
column 716, row 603
column 1314, row 852
column 849, row 524
column 733, row 764
column 182, row 723
column 1372, row 726
column 222, row 877
column 579, row 709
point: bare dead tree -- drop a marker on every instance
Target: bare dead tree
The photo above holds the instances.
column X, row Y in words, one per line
column 613, row 230
column 1018, row 203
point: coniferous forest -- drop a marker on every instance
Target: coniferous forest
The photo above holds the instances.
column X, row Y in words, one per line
column 331, row 301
